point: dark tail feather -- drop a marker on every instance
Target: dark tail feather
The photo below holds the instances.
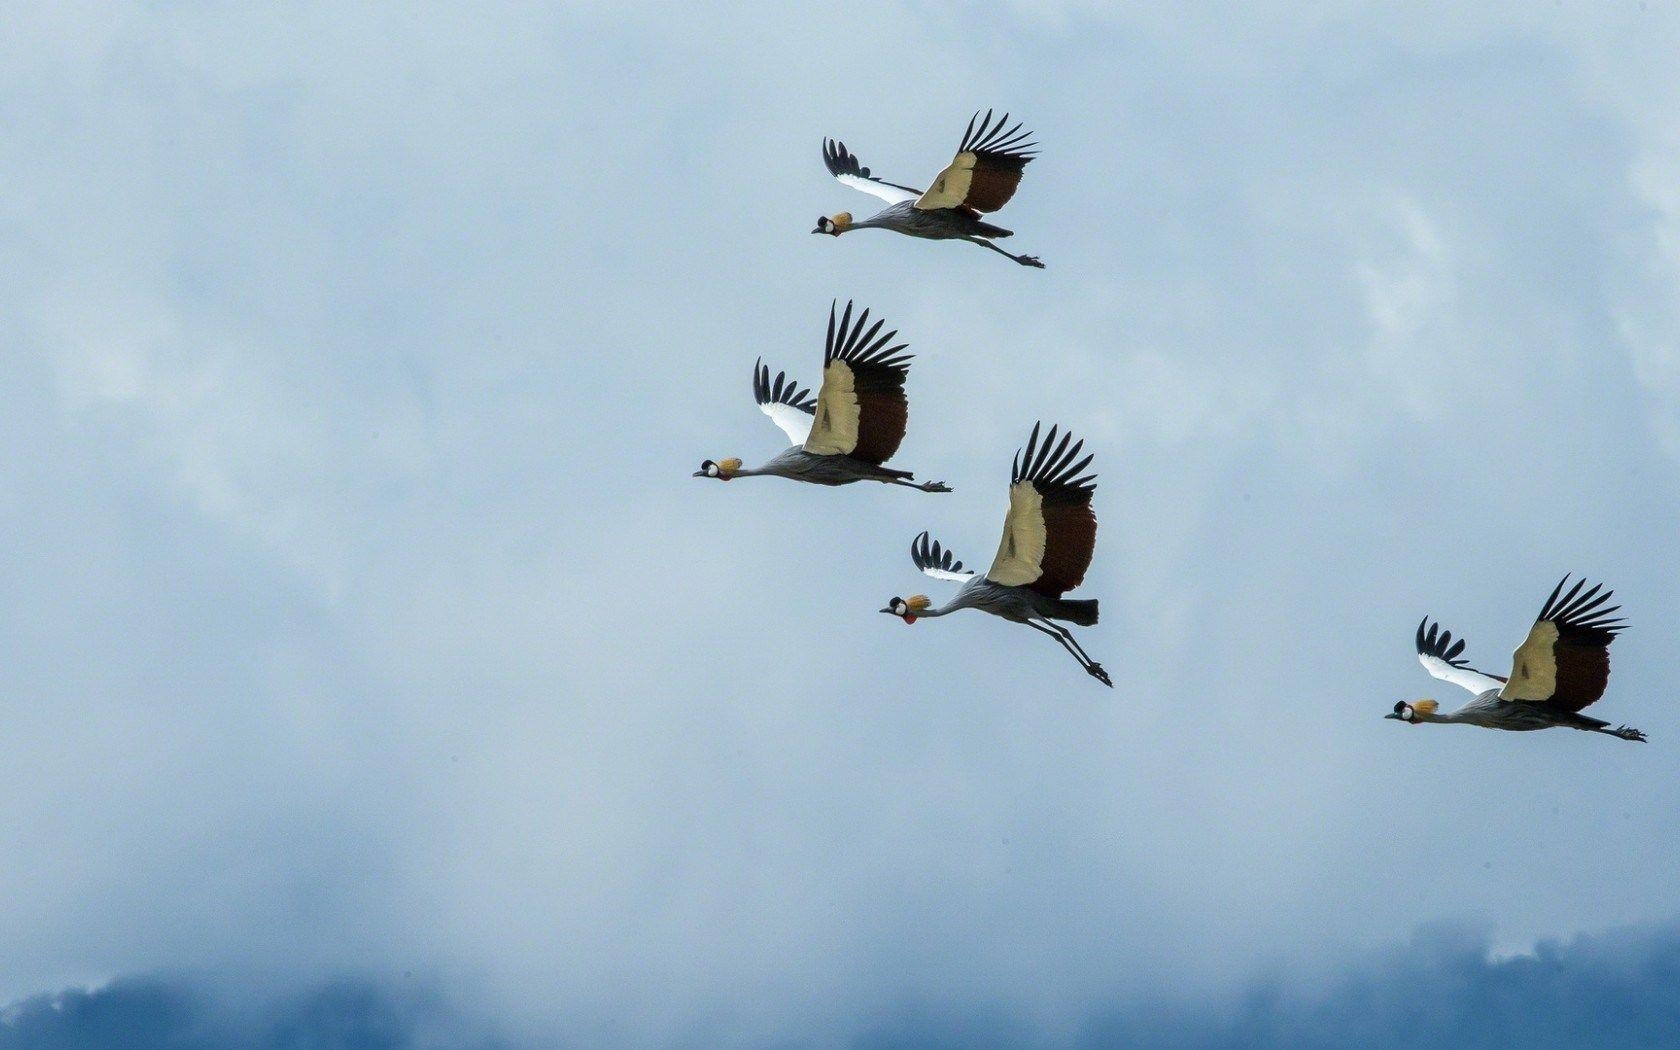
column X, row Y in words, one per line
column 1082, row 611
column 893, row 472
column 986, row 229
column 1580, row 721
column 1598, row 725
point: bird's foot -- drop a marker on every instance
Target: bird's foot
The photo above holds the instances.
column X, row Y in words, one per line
column 934, row 486
column 1029, row 260
column 1628, row 733
column 1096, row 671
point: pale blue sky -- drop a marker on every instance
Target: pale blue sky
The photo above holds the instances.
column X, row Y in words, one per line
column 362, row 619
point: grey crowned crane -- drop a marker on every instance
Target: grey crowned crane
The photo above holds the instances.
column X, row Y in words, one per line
column 1048, row 536
column 856, row 421
column 1561, row 667
column 981, row 178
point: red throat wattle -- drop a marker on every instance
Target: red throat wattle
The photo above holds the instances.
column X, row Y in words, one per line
column 909, row 620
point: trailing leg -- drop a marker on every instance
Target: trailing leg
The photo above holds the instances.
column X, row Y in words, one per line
column 924, row 486
column 1067, row 639
column 1092, row 668
column 1621, row 733
column 1024, row 260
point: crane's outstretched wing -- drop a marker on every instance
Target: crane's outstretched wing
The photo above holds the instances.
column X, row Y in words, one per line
column 861, row 408
column 1050, row 530
column 1565, row 661
column 937, row 562
column 844, row 166
column 1439, row 655
column 986, row 170
column 787, row 405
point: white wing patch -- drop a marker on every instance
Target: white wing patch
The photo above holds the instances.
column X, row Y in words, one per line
column 794, row 423
column 1020, row 556
column 936, row 561
column 890, row 194
column 951, row 187
column 1534, row 666
column 1463, row 677
column 947, row 574
column 835, row 430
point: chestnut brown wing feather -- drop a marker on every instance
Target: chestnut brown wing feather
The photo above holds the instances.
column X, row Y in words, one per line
column 1058, row 509
column 860, row 355
column 1565, row 661
column 986, row 170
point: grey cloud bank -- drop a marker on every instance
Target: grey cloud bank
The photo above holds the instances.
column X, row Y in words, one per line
column 180, row 1014
column 1443, row 988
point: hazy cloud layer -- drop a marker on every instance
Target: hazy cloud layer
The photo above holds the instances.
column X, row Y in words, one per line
column 362, row 616
column 183, row 1014
column 1443, row 988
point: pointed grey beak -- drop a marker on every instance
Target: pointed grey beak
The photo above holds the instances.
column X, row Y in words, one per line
column 819, row 229
column 699, row 474
column 889, row 612
column 1394, row 716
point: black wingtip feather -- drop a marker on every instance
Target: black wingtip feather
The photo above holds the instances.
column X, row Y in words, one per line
column 998, row 139
column 1051, row 465
column 782, row 390
column 1583, row 614
column 839, row 161
column 851, row 341
column 1439, row 643
column 928, row 554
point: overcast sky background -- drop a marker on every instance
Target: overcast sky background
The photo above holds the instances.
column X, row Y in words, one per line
column 361, row 620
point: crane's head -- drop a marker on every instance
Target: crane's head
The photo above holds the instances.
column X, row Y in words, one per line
column 839, row 224
column 723, row 469
column 907, row 609
column 1414, row 712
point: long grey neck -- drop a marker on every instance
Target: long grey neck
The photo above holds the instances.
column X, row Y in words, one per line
column 783, row 464
column 775, row 466
column 963, row 599
column 959, row 601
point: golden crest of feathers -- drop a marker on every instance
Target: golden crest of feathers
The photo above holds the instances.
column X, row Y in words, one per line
column 1425, row 707
column 918, row 602
column 842, row 220
column 729, row 466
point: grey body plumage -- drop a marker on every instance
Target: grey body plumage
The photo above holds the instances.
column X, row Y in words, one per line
column 1561, row 667
column 1018, row 604
column 982, row 178
column 796, row 464
column 854, row 424
column 1049, row 535
column 1490, row 712
column 943, row 224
